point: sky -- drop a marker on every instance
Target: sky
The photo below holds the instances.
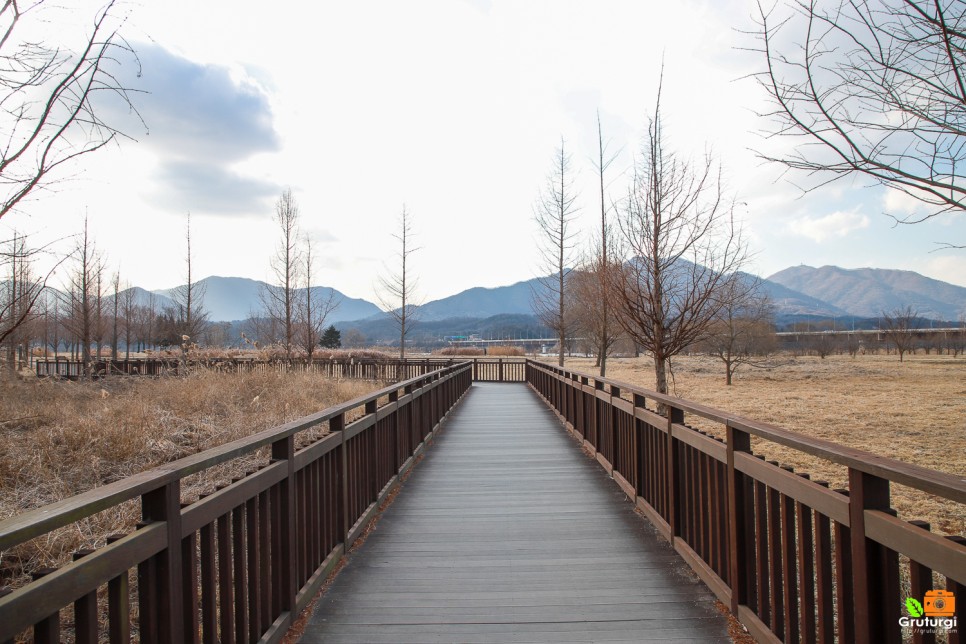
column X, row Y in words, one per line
column 452, row 109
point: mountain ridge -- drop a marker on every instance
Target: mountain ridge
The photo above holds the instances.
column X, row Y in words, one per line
column 828, row 292
column 870, row 292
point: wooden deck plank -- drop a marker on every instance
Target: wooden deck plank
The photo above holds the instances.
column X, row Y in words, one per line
column 507, row 532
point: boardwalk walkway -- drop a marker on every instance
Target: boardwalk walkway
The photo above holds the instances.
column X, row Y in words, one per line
column 506, row 532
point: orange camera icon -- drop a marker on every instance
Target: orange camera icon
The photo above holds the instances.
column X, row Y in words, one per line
column 939, row 603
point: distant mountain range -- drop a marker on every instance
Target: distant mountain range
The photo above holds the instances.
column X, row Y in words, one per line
column 867, row 292
column 227, row 299
column 797, row 292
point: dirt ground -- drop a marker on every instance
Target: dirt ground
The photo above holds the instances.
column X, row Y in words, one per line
column 914, row 411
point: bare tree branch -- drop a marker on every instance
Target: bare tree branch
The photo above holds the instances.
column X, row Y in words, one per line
column 48, row 115
column 871, row 88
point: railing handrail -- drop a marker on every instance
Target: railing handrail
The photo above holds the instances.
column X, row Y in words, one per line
column 788, row 555
column 32, row 523
column 922, row 478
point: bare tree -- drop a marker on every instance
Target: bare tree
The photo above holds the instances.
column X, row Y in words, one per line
column 398, row 289
column 115, row 313
column 129, row 315
column 314, row 307
column 743, row 332
column 554, row 213
column 874, row 88
column 354, row 339
column 685, row 250
column 19, row 294
column 84, row 295
column 605, row 334
column 47, row 93
column 147, row 315
column 189, row 314
column 279, row 298
column 589, row 298
column 897, row 327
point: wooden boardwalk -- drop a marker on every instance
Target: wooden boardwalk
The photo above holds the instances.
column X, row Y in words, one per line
column 507, row 532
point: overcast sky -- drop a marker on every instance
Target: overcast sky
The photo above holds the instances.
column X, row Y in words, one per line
column 451, row 108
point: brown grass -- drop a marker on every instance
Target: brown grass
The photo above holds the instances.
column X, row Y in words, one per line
column 458, row 351
column 495, row 351
column 60, row 438
column 914, row 411
column 506, row 350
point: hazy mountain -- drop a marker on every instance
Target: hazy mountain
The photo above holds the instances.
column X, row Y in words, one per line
column 870, row 291
column 482, row 302
column 789, row 302
column 237, row 298
column 798, row 291
column 143, row 298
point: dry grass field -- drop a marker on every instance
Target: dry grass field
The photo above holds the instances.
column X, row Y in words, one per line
column 60, row 438
column 914, row 411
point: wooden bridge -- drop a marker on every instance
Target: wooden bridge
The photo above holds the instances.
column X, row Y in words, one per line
column 505, row 532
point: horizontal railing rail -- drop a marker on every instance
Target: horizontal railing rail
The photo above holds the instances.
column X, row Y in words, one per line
column 241, row 563
column 792, row 559
column 389, row 369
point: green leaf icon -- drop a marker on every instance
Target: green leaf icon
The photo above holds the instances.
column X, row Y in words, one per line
column 914, row 607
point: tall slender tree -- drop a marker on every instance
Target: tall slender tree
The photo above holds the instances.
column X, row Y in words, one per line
column 83, row 292
column 398, row 288
column 280, row 298
column 554, row 213
column 605, row 335
column 314, row 306
column 189, row 314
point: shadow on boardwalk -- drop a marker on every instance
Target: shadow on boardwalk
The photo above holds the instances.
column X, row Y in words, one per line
column 506, row 532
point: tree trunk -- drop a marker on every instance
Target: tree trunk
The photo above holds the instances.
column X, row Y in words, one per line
column 660, row 374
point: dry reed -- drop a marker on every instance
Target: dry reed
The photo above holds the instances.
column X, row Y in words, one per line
column 60, row 438
column 914, row 411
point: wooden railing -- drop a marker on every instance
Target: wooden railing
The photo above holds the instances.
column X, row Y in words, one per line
column 388, row 370
column 240, row 564
column 792, row 559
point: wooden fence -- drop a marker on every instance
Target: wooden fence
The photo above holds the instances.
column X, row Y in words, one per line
column 388, row 370
column 240, row 564
column 794, row 560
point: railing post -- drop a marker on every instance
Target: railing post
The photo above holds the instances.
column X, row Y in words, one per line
column 284, row 548
column 373, row 458
column 868, row 492
column 164, row 504
column 737, row 441
column 337, row 424
column 394, row 436
column 410, row 418
column 643, row 462
column 674, row 415
column 615, row 392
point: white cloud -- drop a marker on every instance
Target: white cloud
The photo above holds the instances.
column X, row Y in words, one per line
column 948, row 268
column 901, row 204
column 202, row 121
column 836, row 224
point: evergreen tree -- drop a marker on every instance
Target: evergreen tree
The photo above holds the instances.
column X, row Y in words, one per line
column 331, row 338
